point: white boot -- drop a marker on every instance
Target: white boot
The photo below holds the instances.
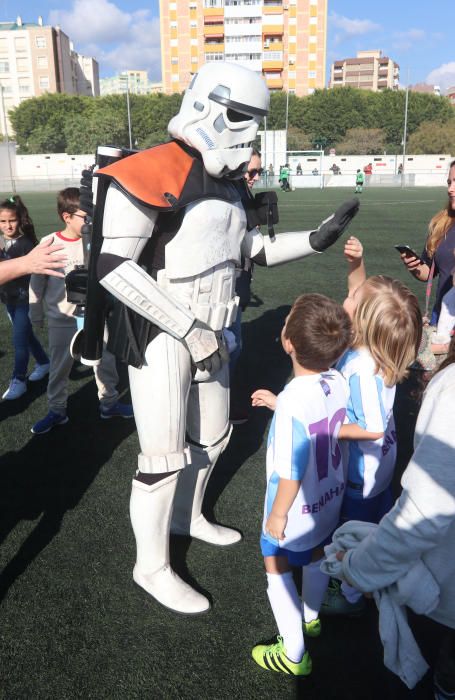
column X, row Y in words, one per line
column 150, row 511
column 187, row 518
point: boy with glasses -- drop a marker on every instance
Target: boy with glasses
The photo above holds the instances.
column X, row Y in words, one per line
column 48, row 298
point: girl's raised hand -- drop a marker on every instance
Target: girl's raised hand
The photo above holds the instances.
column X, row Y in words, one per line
column 263, row 397
column 353, row 249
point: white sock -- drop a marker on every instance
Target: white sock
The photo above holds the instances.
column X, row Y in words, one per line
column 314, row 586
column 351, row 594
column 285, row 604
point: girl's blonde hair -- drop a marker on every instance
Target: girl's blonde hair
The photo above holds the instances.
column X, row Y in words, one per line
column 388, row 322
column 439, row 225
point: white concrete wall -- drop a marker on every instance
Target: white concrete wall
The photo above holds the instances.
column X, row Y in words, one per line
column 52, row 165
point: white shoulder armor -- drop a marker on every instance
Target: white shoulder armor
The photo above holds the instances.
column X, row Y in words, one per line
column 124, row 218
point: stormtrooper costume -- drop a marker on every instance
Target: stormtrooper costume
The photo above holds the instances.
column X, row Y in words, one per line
column 185, row 293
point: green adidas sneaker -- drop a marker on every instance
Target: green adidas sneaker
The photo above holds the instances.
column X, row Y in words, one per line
column 313, row 628
column 273, row 657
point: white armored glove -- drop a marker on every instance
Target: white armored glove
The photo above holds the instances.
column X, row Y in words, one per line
column 207, row 348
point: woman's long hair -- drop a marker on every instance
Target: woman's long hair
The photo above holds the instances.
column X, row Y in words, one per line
column 439, row 225
column 25, row 224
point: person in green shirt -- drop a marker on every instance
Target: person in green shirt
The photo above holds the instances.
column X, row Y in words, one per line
column 359, row 181
column 284, row 178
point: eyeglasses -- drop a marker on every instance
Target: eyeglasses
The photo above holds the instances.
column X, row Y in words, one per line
column 255, row 171
column 80, row 216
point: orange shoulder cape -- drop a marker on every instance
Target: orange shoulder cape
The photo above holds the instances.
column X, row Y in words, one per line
column 156, row 177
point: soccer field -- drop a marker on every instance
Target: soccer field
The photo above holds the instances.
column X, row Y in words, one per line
column 72, row 622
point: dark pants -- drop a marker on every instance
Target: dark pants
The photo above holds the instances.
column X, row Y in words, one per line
column 24, row 340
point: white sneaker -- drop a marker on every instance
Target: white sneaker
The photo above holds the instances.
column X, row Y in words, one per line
column 16, row 388
column 39, row 372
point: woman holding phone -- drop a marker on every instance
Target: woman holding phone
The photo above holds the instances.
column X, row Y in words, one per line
column 439, row 247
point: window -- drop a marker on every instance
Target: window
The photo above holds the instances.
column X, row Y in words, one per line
column 311, row 73
column 3, row 46
column 20, row 44
column 4, row 67
column 313, row 20
column 174, row 42
column 22, row 65
column 272, row 56
column 174, row 61
column 173, row 24
column 40, row 42
column 214, row 57
column 42, row 62
column 175, row 78
column 44, row 82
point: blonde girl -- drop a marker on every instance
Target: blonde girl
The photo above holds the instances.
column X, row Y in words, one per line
column 387, row 327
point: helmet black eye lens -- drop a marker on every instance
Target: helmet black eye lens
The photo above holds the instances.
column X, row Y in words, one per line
column 234, row 116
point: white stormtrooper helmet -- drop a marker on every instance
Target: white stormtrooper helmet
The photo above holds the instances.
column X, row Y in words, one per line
column 220, row 115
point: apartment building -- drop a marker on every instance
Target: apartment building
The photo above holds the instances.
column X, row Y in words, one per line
column 35, row 59
column 370, row 70
column 135, row 81
column 283, row 39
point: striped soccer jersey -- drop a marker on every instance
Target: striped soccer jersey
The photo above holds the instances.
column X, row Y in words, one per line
column 370, row 405
column 302, row 445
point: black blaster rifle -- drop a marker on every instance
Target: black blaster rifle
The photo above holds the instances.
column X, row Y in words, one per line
column 82, row 285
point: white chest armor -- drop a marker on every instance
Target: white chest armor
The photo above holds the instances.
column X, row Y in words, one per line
column 201, row 261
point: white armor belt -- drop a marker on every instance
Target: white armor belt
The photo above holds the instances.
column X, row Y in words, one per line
column 210, row 297
column 217, row 316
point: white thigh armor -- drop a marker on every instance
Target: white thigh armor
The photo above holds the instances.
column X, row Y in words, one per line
column 168, row 405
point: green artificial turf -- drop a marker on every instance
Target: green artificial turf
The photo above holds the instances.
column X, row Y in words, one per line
column 72, row 622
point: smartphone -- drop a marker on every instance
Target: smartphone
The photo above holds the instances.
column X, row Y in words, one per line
column 409, row 253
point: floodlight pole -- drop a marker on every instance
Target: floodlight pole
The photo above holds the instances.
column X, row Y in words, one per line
column 128, row 109
column 405, row 129
column 264, row 155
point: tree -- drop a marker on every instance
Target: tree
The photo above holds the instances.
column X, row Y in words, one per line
column 59, row 122
column 47, row 116
column 98, row 126
column 432, row 137
column 362, row 141
column 298, row 140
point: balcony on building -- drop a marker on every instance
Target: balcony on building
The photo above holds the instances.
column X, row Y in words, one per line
column 213, row 30
column 272, row 8
column 215, row 46
column 242, row 10
column 272, row 42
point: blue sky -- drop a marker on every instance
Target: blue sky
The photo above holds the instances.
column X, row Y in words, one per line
column 125, row 33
